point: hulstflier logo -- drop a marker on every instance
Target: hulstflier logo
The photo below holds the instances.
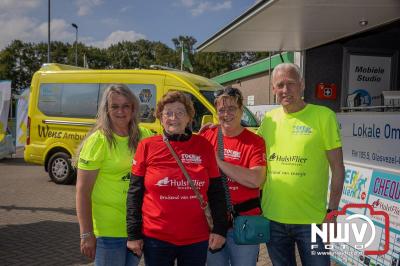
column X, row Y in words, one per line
column 355, row 230
column 163, row 182
column 287, row 159
column 179, row 183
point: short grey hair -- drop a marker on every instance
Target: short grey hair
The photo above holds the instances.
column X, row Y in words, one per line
column 287, row 66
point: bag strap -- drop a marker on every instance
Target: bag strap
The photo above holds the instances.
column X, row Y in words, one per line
column 247, row 205
column 240, row 207
column 221, row 156
column 203, row 204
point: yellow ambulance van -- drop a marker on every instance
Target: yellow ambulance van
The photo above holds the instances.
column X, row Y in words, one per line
column 64, row 99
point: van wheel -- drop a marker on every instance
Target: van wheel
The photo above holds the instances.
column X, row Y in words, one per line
column 60, row 168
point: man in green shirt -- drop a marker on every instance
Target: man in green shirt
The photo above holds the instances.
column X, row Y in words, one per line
column 302, row 142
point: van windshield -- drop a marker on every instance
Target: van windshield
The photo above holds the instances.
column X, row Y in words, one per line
column 248, row 119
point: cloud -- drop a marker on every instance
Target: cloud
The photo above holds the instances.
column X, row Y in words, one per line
column 60, row 30
column 197, row 8
column 111, row 22
column 30, row 30
column 119, row 36
column 124, row 9
column 20, row 5
column 187, row 3
column 86, row 6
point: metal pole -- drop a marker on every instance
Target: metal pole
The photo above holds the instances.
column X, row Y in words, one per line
column 48, row 33
column 76, row 43
column 181, row 55
column 76, row 47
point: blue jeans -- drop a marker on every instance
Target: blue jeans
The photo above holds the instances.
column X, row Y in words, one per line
column 281, row 248
column 161, row 253
column 233, row 254
column 113, row 251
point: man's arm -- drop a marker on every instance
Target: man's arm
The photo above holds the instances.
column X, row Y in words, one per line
column 335, row 158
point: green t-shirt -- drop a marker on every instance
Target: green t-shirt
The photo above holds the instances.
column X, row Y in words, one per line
column 295, row 191
column 112, row 182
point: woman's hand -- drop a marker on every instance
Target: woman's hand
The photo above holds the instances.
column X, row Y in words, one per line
column 216, row 241
column 206, row 126
column 88, row 246
column 136, row 246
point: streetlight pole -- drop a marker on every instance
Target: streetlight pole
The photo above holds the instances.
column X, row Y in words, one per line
column 76, row 43
column 48, row 33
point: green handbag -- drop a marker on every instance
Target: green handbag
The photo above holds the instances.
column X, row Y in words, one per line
column 251, row 230
column 247, row 230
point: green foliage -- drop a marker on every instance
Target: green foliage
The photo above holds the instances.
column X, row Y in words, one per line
column 20, row 60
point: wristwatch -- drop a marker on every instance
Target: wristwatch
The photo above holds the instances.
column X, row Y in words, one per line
column 86, row 235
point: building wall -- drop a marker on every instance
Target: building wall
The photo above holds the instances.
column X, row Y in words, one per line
column 325, row 63
column 256, row 85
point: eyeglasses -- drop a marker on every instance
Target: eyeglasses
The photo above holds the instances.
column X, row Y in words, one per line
column 229, row 91
column 170, row 114
column 229, row 110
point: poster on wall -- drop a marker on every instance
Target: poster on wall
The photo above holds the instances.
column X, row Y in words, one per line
column 368, row 76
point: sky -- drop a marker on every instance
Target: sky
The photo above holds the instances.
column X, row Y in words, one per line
column 104, row 22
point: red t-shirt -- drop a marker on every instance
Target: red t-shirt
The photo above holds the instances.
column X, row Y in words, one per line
column 171, row 212
column 247, row 150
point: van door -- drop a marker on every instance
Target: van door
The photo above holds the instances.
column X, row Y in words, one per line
column 147, row 88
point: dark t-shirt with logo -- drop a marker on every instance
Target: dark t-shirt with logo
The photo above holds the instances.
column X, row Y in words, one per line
column 171, row 212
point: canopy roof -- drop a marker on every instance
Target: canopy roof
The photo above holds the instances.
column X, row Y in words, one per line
column 296, row 25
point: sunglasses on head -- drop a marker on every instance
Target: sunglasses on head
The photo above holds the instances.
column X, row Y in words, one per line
column 228, row 91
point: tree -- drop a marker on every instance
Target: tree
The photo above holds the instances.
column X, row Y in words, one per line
column 19, row 60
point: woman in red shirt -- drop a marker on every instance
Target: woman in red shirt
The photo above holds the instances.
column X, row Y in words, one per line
column 244, row 165
column 164, row 216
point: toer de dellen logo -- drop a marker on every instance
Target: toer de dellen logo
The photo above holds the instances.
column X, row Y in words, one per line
column 356, row 230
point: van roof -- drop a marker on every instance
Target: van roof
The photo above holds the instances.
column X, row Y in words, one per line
column 198, row 81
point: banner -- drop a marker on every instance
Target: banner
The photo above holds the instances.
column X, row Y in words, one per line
column 5, row 97
column 381, row 191
column 371, row 150
column 371, row 138
column 22, row 118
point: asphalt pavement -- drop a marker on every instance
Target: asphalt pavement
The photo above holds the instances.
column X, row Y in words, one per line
column 38, row 224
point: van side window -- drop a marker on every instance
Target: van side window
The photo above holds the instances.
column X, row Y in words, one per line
column 146, row 93
column 200, row 110
column 69, row 100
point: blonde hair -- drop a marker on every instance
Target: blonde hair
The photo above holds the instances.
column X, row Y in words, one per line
column 103, row 121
